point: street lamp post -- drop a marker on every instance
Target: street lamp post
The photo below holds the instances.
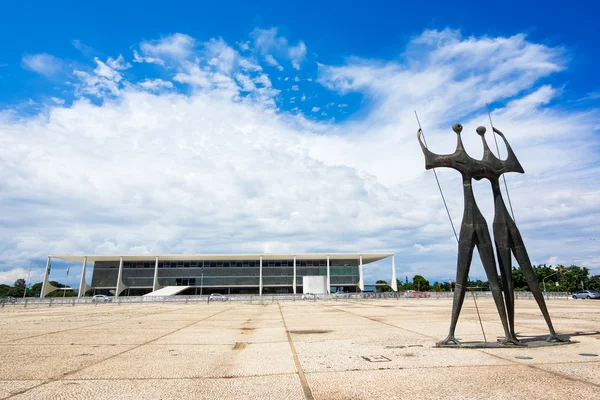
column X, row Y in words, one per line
column 544, row 280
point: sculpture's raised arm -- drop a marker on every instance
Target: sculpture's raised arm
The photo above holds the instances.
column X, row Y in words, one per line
column 457, row 160
column 511, row 163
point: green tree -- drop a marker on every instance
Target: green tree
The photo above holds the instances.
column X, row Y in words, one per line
column 382, row 289
column 519, row 280
column 420, row 283
column 594, row 283
column 574, row 278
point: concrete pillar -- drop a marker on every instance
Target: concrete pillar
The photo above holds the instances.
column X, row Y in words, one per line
column 294, row 283
column 361, row 279
column 260, row 285
column 328, row 277
column 82, row 285
column 155, row 285
column 45, row 281
column 394, row 283
column 120, row 286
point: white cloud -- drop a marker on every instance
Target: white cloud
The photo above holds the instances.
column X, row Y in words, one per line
column 303, row 98
column 273, row 62
column 244, row 46
column 57, row 100
column 150, row 60
column 155, row 84
column 221, row 169
column 295, row 88
column 118, row 63
column 249, row 66
column 268, row 42
column 44, row 64
column 174, row 48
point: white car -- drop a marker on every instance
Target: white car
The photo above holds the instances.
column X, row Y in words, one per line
column 309, row 296
column 217, row 297
column 100, row 298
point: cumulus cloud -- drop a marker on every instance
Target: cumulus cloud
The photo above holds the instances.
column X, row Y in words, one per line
column 268, row 42
column 220, row 168
column 43, row 63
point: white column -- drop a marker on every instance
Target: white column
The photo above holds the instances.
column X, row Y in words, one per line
column 82, row 285
column 45, row 281
column 361, row 280
column 328, row 277
column 394, row 283
column 294, row 284
column 119, row 276
column 260, row 285
column 155, row 285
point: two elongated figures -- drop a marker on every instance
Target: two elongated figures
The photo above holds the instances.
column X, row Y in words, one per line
column 474, row 232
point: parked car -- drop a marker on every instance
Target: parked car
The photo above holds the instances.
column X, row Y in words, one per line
column 341, row 295
column 217, row 297
column 100, row 298
column 309, row 296
column 8, row 299
column 586, row 294
column 416, row 294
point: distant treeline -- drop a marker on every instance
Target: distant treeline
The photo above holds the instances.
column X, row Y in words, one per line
column 570, row 279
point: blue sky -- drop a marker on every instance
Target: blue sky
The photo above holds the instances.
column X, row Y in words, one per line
column 298, row 117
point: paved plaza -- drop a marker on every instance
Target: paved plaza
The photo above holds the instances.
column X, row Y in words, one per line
column 344, row 349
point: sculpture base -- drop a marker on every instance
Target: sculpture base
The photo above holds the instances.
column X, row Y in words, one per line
column 526, row 343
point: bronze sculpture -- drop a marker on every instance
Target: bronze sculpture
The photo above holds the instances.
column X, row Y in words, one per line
column 507, row 236
column 474, row 232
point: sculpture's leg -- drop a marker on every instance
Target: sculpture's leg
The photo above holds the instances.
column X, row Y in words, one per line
column 466, row 243
column 486, row 253
column 508, row 286
column 532, row 281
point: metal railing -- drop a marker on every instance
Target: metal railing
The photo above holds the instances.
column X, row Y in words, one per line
column 256, row 299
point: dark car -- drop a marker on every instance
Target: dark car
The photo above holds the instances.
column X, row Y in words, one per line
column 8, row 299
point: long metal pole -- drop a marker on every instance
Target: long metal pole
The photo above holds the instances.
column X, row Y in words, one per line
column 478, row 316
column 27, row 281
column 498, row 150
column 67, row 283
column 438, row 181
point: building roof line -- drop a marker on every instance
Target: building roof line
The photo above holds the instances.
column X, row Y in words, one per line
column 367, row 257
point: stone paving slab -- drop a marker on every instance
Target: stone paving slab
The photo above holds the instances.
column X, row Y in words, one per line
column 225, row 336
column 33, row 362
column 263, row 387
column 501, row 382
column 178, row 361
column 9, row 388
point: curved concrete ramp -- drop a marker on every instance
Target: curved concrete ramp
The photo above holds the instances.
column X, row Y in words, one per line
column 168, row 291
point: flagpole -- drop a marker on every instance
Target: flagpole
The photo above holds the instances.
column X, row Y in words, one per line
column 27, row 281
column 67, row 283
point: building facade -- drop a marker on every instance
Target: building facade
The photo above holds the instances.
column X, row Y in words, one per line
column 223, row 273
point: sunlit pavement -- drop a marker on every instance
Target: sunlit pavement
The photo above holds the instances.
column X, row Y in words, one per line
column 345, row 349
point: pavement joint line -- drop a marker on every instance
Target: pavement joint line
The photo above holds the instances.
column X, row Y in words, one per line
column 84, row 327
column 194, row 378
column 384, row 323
column 47, row 381
column 537, row 367
column 303, row 381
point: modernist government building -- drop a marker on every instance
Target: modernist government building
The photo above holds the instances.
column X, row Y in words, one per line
column 224, row 273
